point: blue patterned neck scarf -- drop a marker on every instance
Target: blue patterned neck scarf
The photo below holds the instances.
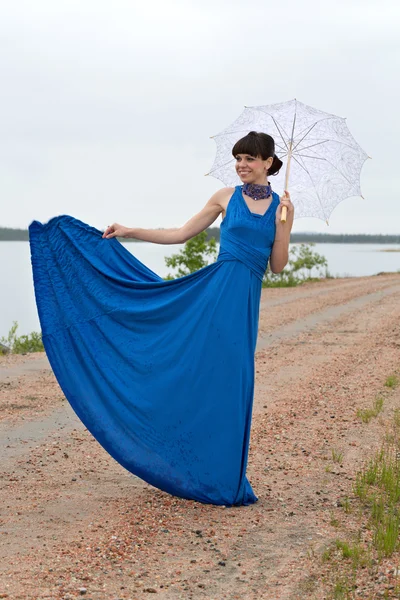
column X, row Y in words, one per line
column 257, row 191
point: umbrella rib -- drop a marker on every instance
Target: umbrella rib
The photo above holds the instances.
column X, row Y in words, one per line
column 301, row 132
column 307, row 156
column 280, row 149
column 312, row 145
column 220, row 166
column 229, row 133
column 329, row 162
column 304, row 136
column 335, row 167
column 312, row 127
column 329, row 140
column 300, row 165
column 279, row 131
column 315, row 187
column 277, row 125
column 316, row 123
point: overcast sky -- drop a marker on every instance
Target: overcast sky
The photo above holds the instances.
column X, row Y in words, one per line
column 107, row 107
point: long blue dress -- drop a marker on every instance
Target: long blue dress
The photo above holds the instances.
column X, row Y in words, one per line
column 160, row 372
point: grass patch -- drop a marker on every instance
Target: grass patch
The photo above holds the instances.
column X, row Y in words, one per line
column 368, row 413
column 337, row 457
column 308, row 585
column 357, row 555
column 346, row 505
column 345, row 558
column 372, row 534
column 334, row 521
column 392, row 381
column 342, row 589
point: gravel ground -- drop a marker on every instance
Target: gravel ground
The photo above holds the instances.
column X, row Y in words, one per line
column 74, row 523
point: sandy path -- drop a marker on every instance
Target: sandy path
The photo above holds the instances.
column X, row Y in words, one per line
column 74, row 523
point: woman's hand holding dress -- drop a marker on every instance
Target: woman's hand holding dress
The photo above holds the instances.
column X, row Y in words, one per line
column 115, row 230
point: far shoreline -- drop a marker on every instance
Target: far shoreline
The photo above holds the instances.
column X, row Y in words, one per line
column 9, row 234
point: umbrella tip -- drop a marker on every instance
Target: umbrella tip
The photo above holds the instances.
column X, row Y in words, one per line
column 326, row 221
column 205, row 174
column 362, row 197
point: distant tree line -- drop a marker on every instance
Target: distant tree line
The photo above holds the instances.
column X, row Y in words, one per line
column 21, row 235
column 329, row 238
column 344, row 238
column 13, row 235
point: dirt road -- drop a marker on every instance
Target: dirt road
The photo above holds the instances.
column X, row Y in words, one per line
column 74, row 523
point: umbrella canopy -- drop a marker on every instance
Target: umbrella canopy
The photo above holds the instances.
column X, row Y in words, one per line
column 317, row 148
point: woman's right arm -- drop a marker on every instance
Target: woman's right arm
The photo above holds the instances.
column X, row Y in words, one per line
column 176, row 235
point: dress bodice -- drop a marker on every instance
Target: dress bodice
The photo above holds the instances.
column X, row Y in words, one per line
column 247, row 236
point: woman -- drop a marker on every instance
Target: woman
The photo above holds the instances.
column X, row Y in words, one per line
column 162, row 372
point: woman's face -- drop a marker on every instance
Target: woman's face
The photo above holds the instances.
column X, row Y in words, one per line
column 252, row 169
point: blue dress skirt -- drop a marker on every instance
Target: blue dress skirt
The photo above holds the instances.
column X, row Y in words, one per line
column 160, row 372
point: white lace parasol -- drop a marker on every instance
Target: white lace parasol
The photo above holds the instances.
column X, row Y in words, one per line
column 317, row 148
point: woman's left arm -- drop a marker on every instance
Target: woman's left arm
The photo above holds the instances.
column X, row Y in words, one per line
column 280, row 248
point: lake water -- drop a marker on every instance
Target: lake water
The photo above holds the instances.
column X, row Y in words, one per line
column 17, row 302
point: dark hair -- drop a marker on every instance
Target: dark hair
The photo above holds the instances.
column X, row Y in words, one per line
column 258, row 144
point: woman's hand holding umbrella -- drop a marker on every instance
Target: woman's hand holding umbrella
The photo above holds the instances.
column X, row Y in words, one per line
column 285, row 216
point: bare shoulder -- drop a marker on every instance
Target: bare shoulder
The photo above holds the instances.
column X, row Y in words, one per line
column 222, row 197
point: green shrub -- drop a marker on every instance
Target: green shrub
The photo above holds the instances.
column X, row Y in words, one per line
column 303, row 265
column 23, row 343
column 195, row 255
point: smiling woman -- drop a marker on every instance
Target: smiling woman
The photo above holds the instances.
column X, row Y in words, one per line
column 162, row 371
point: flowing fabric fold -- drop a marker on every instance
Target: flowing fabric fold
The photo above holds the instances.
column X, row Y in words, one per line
column 160, row 372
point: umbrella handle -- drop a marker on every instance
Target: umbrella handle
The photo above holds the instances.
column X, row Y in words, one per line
column 284, row 209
